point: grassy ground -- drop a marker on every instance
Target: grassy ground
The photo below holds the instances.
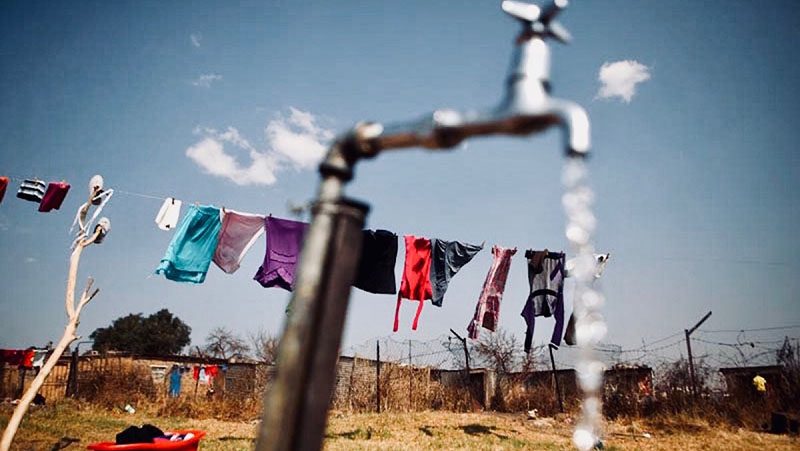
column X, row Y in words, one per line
column 46, row 426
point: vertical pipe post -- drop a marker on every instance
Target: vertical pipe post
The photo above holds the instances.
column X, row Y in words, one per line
column 296, row 405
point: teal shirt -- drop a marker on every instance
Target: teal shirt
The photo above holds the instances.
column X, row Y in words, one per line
column 190, row 252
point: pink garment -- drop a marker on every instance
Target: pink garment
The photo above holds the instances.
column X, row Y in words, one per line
column 487, row 312
column 239, row 232
column 54, row 196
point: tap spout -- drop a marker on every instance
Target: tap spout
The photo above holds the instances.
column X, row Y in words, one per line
column 446, row 128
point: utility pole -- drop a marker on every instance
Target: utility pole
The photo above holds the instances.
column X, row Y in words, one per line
column 689, row 349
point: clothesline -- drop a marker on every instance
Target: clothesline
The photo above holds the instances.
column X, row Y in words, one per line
column 153, row 197
column 206, row 233
column 145, row 196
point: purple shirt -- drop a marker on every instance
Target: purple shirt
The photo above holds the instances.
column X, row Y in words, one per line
column 284, row 242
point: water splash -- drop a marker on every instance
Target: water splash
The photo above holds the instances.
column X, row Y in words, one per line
column 590, row 326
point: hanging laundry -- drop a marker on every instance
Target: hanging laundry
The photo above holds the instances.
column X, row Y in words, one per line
column 99, row 198
column 416, row 282
column 27, row 360
column 569, row 335
column 284, row 243
column 212, row 371
column 376, row 266
column 96, row 187
column 31, row 190
column 12, row 357
column 54, row 196
column 3, row 186
column 487, row 311
column 168, row 214
column 189, row 253
column 201, row 374
column 546, row 297
column 239, row 232
column 39, row 356
column 447, row 258
column 175, row 381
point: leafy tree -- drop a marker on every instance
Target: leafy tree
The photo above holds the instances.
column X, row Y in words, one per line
column 160, row 333
column 224, row 344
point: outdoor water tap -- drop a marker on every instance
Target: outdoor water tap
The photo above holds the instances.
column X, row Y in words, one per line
column 295, row 409
column 526, row 106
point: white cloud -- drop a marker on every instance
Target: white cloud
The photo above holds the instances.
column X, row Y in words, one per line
column 620, row 78
column 30, row 260
column 205, row 80
column 195, row 38
column 294, row 141
column 298, row 138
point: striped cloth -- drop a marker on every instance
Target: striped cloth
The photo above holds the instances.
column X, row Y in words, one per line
column 32, row 190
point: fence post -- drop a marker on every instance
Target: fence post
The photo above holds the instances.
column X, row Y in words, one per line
column 466, row 351
column 72, row 376
column 22, row 373
column 688, row 333
column 410, row 378
column 555, row 378
column 350, row 388
column 378, row 377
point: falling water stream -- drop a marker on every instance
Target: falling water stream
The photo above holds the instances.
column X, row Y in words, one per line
column 590, row 327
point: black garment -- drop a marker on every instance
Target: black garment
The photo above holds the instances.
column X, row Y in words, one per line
column 569, row 335
column 378, row 257
column 134, row 434
column 447, row 258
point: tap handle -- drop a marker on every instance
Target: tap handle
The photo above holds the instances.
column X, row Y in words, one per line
column 551, row 10
column 539, row 20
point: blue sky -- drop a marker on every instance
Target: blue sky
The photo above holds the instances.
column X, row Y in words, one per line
column 696, row 176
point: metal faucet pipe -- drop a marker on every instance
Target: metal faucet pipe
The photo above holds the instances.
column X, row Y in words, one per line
column 295, row 408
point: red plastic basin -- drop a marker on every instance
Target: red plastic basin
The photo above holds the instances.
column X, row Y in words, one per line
column 184, row 445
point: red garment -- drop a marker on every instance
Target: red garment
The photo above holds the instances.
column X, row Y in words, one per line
column 27, row 359
column 195, row 372
column 12, row 356
column 23, row 358
column 3, row 185
column 54, row 196
column 212, row 371
column 416, row 283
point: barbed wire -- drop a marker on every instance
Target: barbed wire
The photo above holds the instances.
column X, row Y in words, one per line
column 447, row 353
column 760, row 329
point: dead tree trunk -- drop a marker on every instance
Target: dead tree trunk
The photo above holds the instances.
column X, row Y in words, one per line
column 73, row 315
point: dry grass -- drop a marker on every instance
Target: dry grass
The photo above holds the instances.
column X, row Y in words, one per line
column 44, row 427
